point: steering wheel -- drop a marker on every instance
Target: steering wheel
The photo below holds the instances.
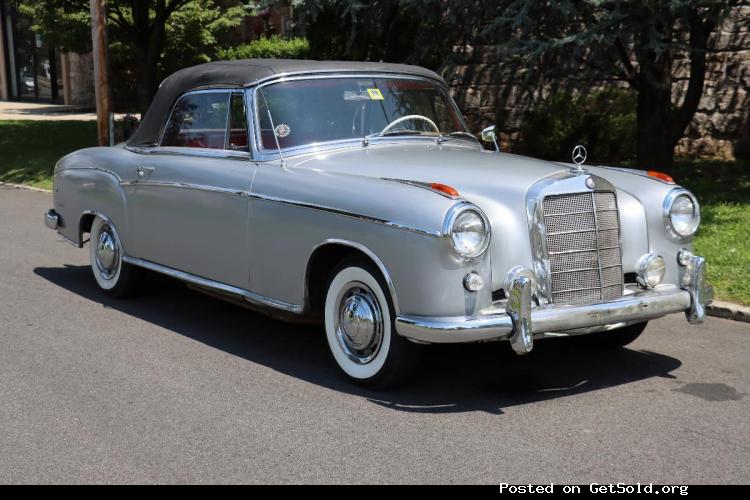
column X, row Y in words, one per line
column 406, row 118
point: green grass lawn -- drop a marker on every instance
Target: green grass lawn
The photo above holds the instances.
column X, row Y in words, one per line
column 29, row 150
column 723, row 189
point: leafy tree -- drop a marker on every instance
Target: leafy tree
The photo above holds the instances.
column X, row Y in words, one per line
column 147, row 37
column 273, row 47
column 638, row 41
column 604, row 121
column 420, row 32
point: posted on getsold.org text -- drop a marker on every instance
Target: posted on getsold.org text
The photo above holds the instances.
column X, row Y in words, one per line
column 592, row 488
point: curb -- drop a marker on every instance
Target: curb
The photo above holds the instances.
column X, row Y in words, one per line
column 21, row 186
column 729, row 310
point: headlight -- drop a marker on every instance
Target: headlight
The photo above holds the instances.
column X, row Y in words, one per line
column 682, row 214
column 468, row 230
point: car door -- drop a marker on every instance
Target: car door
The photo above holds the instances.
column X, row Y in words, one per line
column 188, row 204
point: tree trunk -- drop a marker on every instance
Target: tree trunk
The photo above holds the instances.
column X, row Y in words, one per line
column 654, row 133
column 145, row 84
column 655, row 143
column 149, row 44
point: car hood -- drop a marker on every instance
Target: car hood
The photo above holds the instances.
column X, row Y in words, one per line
column 478, row 175
column 495, row 182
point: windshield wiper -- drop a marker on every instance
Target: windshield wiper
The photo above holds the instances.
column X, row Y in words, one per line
column 458, row 134
column 401, row 132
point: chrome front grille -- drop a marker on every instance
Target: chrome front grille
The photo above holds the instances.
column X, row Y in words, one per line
column 583, row 246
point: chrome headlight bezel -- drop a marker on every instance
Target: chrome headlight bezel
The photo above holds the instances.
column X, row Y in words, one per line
column 448, row 230
column 669, row 201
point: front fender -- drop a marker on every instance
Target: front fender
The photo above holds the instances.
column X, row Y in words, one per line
column 294, row 210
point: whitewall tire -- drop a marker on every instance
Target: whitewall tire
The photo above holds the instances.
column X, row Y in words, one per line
column 113, row 276
column 360, row 328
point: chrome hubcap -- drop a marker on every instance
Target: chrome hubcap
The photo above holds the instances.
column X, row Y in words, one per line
column 359, row 326
column 107, row 253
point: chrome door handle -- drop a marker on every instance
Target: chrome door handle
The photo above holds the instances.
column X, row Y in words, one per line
column 142, row 171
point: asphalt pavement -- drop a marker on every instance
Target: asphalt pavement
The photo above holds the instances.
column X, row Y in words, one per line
column 174, row 386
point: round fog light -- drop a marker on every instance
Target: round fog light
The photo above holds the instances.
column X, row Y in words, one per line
column 651, row 269
column 473, row 282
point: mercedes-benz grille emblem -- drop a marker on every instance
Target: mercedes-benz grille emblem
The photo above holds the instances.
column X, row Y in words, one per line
column 579, row 155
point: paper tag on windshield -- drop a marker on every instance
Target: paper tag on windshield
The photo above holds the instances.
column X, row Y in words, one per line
column 375, row 94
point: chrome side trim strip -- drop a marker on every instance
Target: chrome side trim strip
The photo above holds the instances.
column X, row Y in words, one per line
column 346, row 213
column 197, row 152
column 274, row 199
column 103, row 170
column 249, row 296
column 185, row 185
column 423, row 185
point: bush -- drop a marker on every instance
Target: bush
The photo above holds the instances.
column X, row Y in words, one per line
column 742, row 149
column 268, row 48
column 603, row 121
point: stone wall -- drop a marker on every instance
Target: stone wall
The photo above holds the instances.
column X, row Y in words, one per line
column 723, row 114
column 490, row 92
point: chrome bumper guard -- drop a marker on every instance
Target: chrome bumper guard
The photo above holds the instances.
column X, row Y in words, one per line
column 51, row 219
column 520, row 323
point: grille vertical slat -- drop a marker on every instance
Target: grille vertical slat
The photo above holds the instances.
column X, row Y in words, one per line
column 583, row 245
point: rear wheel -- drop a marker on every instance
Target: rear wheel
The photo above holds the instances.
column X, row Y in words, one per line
column 616, row 338
column 114, row 277
column 360, row 328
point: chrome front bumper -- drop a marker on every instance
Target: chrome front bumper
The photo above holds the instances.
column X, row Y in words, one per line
column 520, row 322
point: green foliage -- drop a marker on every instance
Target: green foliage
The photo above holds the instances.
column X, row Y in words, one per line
column 722, row 238
column 274, row 47
column 27, row 158
column 193, row 33
column 603, row 121
column 723, row 190
column 64, row 23
column 421, row 32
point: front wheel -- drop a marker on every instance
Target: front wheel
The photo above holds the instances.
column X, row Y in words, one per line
column 360, row 328
column 114, row 276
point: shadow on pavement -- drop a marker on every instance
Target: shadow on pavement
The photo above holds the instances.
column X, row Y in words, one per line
column 451, row 379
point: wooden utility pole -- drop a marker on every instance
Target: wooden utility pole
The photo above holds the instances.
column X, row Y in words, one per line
column 101, row 73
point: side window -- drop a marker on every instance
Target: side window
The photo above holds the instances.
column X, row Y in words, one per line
column 198, row 120
column 237, row 123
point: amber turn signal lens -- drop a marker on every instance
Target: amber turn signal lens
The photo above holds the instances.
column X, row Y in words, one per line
column 661, row 176
column 447, row 190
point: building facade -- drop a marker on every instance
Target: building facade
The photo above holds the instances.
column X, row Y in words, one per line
column 30, row 70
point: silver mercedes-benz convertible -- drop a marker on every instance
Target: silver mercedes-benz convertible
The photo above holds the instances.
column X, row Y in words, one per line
column 353, row 194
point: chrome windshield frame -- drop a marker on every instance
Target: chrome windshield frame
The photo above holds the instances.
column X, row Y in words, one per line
column 259, row 154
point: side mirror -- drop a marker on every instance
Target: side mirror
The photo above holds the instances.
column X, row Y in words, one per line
column 489, row 135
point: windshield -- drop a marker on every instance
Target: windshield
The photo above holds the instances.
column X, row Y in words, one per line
column 310, row 111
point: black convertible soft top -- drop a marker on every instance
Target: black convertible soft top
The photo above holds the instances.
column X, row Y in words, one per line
column 241, row 73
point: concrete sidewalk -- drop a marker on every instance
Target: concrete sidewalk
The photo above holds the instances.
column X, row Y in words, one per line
column 43, row 111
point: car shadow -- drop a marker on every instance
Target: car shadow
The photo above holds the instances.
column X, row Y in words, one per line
column 451, row 378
